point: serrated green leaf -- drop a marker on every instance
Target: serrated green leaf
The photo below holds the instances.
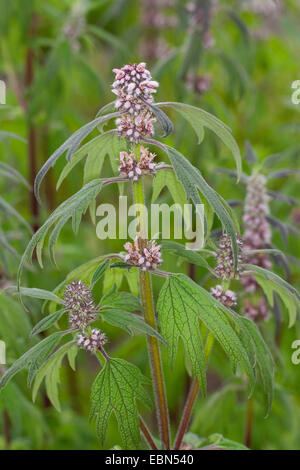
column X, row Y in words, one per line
column 73, row 207
column 113, row 277
column 117, row 388
column 50, row 372
column 264, row 361
column 121, row 300
column 127, row 321
column 190, row 255
column 271, row 281
column 46, row 322
column 70, row 145
column 167, row 178
column 198, row 118
column 99, row 272
column 181, row 304
column 32, row 359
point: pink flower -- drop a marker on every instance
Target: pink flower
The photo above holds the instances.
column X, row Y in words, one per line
column 227, row 297
column 147, row 258
column 92, row 342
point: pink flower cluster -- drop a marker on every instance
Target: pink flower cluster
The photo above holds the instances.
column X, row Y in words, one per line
column 257, row 234
column 80, row 304
column 135, row 128
column 134, row 88
column 225, row 258
column 256, row 312
column 226, row 297
column 147, row 258
column 92, row 342
column 133, row 169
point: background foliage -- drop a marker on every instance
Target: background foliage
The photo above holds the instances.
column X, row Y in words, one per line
column 56, row 59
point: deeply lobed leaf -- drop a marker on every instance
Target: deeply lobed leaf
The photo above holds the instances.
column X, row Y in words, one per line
column 117, row 388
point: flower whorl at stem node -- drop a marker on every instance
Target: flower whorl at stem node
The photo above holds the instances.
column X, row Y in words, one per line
column 225, row 258
column 92, row 342
column 147, row 258
column 257, row 235
column 79, row 304
column 226, row 297
column 133, row 169
column 134, row 88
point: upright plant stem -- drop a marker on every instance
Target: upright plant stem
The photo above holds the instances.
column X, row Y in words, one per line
column 149, row 315
column 192, row 395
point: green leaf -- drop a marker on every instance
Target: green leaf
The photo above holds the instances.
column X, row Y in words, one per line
column 32, row 359
column 167, row 178
column 71, row 144
column 10, row 172
column 121, row 300
column 264, row 363
column 192, row 180
column 190, row 255
column 219, row 441
column 269, row 282
column 77, row 156
column 181, row 304
column 163, row 119
column 199, row 119
column 99, row 272
column 36, row 293
column 117, row 388
column 74, row 208
column 127, row 321
column 46, row 322
column 14, row 324
column 50, row 372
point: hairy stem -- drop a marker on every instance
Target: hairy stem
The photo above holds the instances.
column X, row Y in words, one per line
column 147, row 434
column 191, row 398
column 149, row 315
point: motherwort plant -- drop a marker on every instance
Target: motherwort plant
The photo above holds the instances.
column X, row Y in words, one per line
column 183, row 311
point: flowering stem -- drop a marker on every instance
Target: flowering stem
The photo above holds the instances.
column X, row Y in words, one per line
column 149, row 315
column 191, row 397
